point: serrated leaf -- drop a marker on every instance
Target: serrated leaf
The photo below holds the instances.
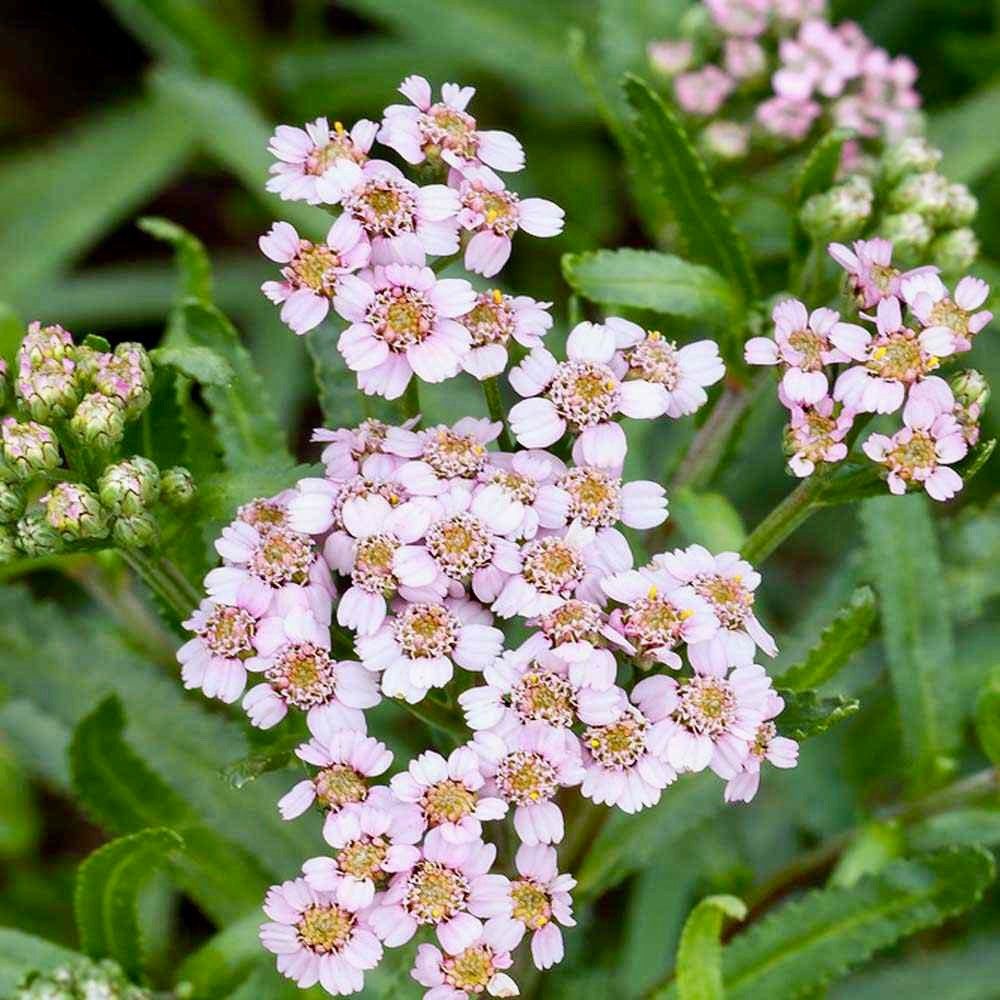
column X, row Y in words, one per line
column 977, row 458
column 276, row 754
column 806, row 714
column 107, row 889
column 988, row 718
column 848, row 632
column 683, row 179
column 647, row 279
column 699, row 954
column 193, row 265
column 872, row 848
column 22, row 953
column 707, row 518
column 819, row 172
column 121, row 792
column 905, row 566
column 960, row 827
column 818, row 938
column 337, row 384
column 199, row 363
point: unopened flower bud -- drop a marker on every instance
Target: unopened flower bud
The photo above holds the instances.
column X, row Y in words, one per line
column 11, row 503
column 8, row 547
column 955, row 250
column 45, row 343
column 914, row 155
column 28, row 448
column 971, row 388
column 99, row 421
column 35, row 536
column 962, row 205
column 73, row 510
column 724, row 140
column 670, row 57
column 177, row 487
column 49, row 390
column 126, row 376
column 88, row 361
column 129, row 487
column 696, row 23
column 926, row 193
column 840, row 213
column 909, row 233
column 82, row 980
column 135, row 531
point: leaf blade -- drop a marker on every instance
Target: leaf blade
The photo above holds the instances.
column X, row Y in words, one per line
column 699, row 954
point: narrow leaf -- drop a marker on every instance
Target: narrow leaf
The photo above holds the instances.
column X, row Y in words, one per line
column 968, row 135
column 199, row 363
column 646, row 279
column 905, row 566
column 107, row 889
column 707, row 518
column 819, row 171
column 336, row 383
column 699, row 955
column 838, row 642
column 193, row 264
column 806, row 714
column 22, row 953
column 960, row 827
column 988, row 718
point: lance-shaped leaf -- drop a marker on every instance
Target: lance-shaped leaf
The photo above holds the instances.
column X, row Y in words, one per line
column 22, row 953
column 806, row 944
column 807, row 714
column 838, row 642
column 193, row 265
column 107, row 889
column 706, row 226
column 699, row 954
column 904, row 563
column 988, row 717
column 199, row 363
column 819, row 171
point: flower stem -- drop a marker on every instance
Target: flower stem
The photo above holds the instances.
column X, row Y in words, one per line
column 439, row 717
column 491, row 390
column 411, row 399
column 165, row 581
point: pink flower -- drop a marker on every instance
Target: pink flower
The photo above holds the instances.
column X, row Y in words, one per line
column 466, row 973
column 670, row 56
column 445, row 130
column 816, row 434
column 312, row 270
column 894, row 359
column 373, row 842
column 214, row 660
column 318, row 939
column 788, row 117
column 348, row 450
column 581, row 634
column 448, row 888
column 493, row 321
column 727, row 583
column 682, row 372
column 817, row 60
column 527, row 481
column 403, row 221
column 402, row 323
column 745, row 18
column 304, row 155
column 419, row 645
column 538, row 902
column 265, row 513
column 625, row 760
column 744, row 58
column 928, row 300
column 870, row 271
column 802, row 343
column 703, row 91
column 658, row 615
column 526, row 765
column 494, row 214
column 451, row 794
column 583, row 393
column 457, row 452
column 922, row 450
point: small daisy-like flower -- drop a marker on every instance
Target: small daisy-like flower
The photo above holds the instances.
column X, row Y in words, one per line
column 475, row 969
column 215, row 659
column 445, row 130
column 346, row 758
column 526, row 765
column 372, row 842
column 457, row 452
column 348, row 450
column 527, row 481
column 539, row 901
column 703, row 91
column 599, row 499
column 802, row 344
column 739, row 763
column 419, row 645
column 582, row 394
column 449, row 888
column 727, row 583
column 682, row 373
column 580, row 633
column 816, row 434
column 405, row 223
column 264, row 513
column 450, row 794
column 311, row 271
column 870, row 271
column 962, row 315
column 921, row 451
column 788, row 117
column 306, row 154
column 658, row 615
column 318, row 939
column 494, row 214
column 743, row 18
column 890, row 362
column 402, row 323
column 493, row 321
column 625, row 762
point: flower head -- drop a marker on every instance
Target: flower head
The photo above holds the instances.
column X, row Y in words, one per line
column 214, row 660
column 493, row 321
column 815, row 433
column 467, row 973
column 962, row 316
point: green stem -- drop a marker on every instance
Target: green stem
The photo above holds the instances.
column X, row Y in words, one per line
column 439, row 717
column 411, row 399
column 491, row 390
column 164, row 580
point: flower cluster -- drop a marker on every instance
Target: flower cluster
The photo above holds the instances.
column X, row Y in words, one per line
column 768, row 71
column 82, row 980
column 833, row 371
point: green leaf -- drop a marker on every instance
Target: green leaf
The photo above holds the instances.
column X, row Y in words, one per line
column 848, row 632
column 224, row 961
column 699, row 955
column 960, row 827
column 874, row 847
column 807, row 714
column 199, row 363
column 337, row 384
column 646, row 279
column 277, row 753
column 968, row 135
column 12, row 329
column 23, row 953
column 683, row 178
column 192, row 261
column 806, row 944
column 707, row 518
column 976, row 459
column 819, row 171
column 107, row 889
column 988, row 718
column 905, row 566
column 125, row 795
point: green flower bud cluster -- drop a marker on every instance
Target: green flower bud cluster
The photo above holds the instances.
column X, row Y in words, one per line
column 840, row 213
column 83, row 980
column 972, row 393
